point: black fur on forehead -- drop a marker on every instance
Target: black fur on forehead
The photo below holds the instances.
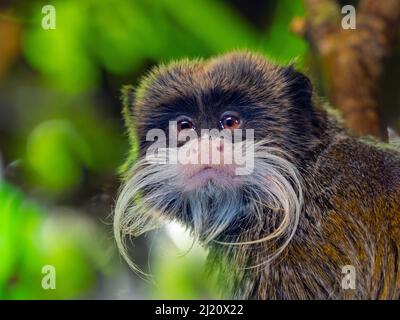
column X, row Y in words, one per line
column 275, row 101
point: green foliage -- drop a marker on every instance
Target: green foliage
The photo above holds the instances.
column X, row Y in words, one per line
column 279, row 42
column 212, row 23
column 62, row 54
column 29, row 240
column 131, row 35
column 56, row 152
column 59, row 150
column 120, row 35
column 181, row 276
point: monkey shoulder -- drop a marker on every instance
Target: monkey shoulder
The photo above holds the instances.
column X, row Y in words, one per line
column 364, row 173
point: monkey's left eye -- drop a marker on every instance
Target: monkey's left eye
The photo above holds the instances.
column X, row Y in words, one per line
column 230, row 120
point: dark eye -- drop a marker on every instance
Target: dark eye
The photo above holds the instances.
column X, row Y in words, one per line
column 230, row 121
column 184, row 124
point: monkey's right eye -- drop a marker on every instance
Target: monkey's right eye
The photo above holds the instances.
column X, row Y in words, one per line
column 184, row 124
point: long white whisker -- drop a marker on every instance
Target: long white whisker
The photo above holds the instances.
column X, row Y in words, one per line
column 154, row 194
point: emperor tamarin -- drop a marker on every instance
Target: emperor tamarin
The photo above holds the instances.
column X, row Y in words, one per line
column 316, row 201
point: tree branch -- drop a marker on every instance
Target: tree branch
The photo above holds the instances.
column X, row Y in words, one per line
column 352, row 61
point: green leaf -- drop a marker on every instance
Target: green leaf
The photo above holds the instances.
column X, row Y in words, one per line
column 279, row 43
column 62, row 54
column 56, row 151
column 213, row 23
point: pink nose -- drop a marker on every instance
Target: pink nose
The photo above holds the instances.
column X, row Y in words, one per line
column 207, row 159
column 208, row 151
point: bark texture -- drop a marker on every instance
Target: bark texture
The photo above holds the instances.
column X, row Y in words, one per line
column 352, row 60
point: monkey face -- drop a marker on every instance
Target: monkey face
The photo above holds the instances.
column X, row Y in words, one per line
column 268, row 111
column 273, row 101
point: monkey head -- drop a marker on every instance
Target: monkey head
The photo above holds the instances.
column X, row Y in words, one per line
column 269, row 111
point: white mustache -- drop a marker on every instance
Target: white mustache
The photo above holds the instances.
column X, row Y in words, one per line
column 153, row 194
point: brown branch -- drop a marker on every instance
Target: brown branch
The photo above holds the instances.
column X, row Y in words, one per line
column 352, row 61
column 10, row 35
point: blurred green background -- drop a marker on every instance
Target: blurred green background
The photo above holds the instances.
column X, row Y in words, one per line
column 62, row 137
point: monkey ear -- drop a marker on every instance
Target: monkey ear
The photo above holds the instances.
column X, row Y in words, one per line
column 299, row 87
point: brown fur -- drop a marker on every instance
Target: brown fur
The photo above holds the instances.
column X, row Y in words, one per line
column 351, row 216
column 351, row 211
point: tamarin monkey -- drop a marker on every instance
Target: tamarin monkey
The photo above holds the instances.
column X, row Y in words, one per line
column 317, row 217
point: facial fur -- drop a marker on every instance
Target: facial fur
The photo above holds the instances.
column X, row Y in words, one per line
column 270, row 100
